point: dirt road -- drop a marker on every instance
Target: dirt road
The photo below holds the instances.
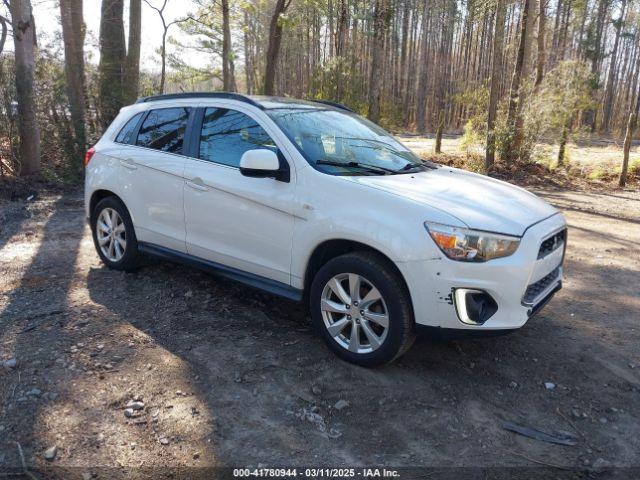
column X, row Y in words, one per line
column 228, row 376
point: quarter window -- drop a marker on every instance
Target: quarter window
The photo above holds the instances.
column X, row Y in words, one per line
column 227, row 134
column 163, row 129
column 126, row 134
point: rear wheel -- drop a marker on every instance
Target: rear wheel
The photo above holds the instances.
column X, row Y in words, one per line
column 362, row 309
column 113, row 234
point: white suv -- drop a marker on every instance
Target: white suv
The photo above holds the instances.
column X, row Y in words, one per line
column 309, row 201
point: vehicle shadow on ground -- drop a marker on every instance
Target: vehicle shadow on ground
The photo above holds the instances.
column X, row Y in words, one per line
column 57, row 395
column 264, row 370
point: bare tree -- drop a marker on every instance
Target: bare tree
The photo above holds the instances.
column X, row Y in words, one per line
column 596, row 53
column 608, row 94
column 73, row 32
column 3, row 32
column 132, row 67
column 423, row 77
column 631, row 128
column 275, row 39
column 112, row 57
column 444, row 68
column 380, row 17
column 24, row 40
column 248, row 63
column 228, row 73
column 496, row 77
column 564, row 138
column 515, row 93
column 166, row 25
column 542, row 22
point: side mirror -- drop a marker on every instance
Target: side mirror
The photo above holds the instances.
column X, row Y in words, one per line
column 261, row 163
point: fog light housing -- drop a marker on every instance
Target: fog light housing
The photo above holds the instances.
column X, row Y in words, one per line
column 474, row 307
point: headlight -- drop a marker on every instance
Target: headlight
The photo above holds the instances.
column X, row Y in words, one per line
column 471, row 245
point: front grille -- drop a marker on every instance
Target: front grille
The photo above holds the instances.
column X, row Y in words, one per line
column 535, row 289
column 552, row 243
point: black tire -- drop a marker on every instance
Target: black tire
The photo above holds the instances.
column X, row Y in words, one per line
column 376, row 270
column 129, row 260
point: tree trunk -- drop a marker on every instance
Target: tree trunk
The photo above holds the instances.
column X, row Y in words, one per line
column 331, row 27
column 402, row 65
column 556, row 33
column 228, row 75
column 375, row 80
column 531, row 23
column 112, row 56
column 24, row 38
column 563, row 144
column 439, row 129
column 341, row 39
column 423, row 76
column 589, row 115
column 73, row 32
column 132, row 68
column 542, row 21
column 628, row 138
column 496, row 77
column 631, row 126
column 3, row 33
column 163, row 60
column 248, row 64
column 444, row 67
column 273, row 50
column 343, row 25
column 613, row 64
column 515, row 95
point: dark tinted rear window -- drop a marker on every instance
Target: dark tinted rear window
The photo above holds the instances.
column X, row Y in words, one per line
column 126, row 134
column 163, row 129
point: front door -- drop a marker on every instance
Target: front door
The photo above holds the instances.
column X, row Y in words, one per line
column 241, row 222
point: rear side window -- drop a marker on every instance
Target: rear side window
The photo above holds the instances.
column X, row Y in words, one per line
column 227, row 134
column 127, row 132
column 163, row 129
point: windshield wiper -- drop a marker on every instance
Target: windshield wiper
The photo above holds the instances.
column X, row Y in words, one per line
column 423, row 164
column 363, row 166
column 411, row 165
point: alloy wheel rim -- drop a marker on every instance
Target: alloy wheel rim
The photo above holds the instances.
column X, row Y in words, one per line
column 111, row 233
column 354, row 313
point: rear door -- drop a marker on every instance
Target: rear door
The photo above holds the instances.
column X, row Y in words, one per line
column 153, row 170
column 242, row 222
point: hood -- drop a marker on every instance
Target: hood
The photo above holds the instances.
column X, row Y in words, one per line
column 480, row 202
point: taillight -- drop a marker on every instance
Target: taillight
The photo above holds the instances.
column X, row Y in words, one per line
column 89, row 155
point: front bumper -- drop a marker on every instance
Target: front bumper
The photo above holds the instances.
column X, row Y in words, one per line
column 520, row 284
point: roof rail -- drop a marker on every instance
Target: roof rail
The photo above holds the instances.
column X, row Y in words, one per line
column 334, row 104
column 226, row 95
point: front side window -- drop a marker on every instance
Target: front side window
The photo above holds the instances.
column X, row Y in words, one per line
column 343, row 143
column 129, row 129
column 227, row 134
column 163, row 129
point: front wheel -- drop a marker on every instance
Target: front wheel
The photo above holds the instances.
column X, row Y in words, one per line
column 362, row 309
column 113, row 234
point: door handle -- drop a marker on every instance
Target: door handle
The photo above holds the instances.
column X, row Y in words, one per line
column 129, row 163
column 197, row 184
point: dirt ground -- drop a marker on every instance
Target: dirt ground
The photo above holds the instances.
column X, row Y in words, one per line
column 233, row 377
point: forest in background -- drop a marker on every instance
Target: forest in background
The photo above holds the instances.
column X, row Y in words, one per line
column 505, row 74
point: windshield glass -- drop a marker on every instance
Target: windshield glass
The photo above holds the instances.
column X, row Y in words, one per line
column 343, row 143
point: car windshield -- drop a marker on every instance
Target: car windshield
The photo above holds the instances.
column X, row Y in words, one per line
column 343, row 143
